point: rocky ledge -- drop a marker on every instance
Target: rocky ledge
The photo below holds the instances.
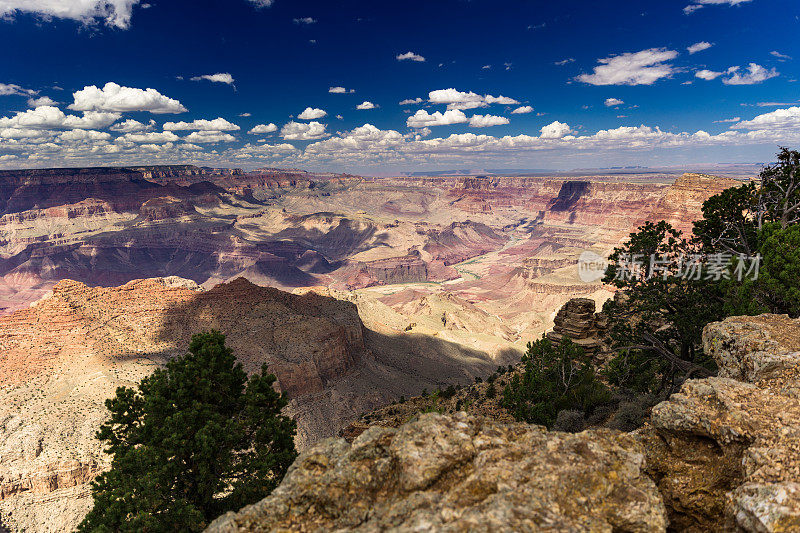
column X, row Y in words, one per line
column 462, row 473
column 725, row 451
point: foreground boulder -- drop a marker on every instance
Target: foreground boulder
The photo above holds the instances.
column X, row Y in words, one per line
column 457, row 473
column 725, row 451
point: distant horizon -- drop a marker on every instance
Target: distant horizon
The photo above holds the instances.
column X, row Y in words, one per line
column 721, row 168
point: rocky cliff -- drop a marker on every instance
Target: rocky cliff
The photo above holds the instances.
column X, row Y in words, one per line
column 725, row 450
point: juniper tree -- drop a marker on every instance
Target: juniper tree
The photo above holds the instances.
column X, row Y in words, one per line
column 194, row 440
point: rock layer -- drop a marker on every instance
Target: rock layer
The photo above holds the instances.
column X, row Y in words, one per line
column 726, row 453
column 577, row 321
column 461, row 473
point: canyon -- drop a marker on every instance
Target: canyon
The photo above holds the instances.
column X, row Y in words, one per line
column 354, row 290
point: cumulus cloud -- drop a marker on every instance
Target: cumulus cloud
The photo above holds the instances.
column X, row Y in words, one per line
column 40, row 101
column 637, row 68
column 483, row 121
column 699, row 47
column 219, row 77
column 522, row 110
column 755, row 74
column 298, row 131
column 410, row 56
column 49, row 117
column 311, row 113
column 780, row 119
column 366, row 105
column 209, row 136
column 132, row 126
column 555, row 130
column 218, row 124
column 153, row 137
column 410, row 101
column 707, row 75
column 79, row 135
column 263, row 128
column 455, row 99
column 113, row 97
column 340, row 90
column 422, row 118
column 115, row 13
column 698, row 4
column 611, row 102
column 7, row 89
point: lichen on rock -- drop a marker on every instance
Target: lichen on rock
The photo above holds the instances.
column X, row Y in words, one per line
column 462, row 473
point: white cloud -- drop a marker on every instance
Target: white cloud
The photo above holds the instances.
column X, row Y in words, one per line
column 503, row 100
column 522, row 110
column 410, row 56
column 340, row 90
column 566, row 61
column 47, row 117
column 707, row 75
column 698, row 4
column 263, row 128
column 79, row 135
column 422, row 119
column 218, row 124
column 366, row 105
column 780, row 119
column 153, row 137
column 219, row 77
column 780, row 56
column 724, row 120
column 111, row 12
column 637, row 68
column 311, row 113
column 7, row 89
column 456, row 99
column 113, row 97
column 699, row 47
column 410, row 101
column 555, row 130
column 298, row 131
column 209, row 136
column 262, row 3
column 245, row 114
column 483, row 121
column 611, row 102
column 40, row 101
column 305, row 20
column 132, row 126
column 755, row 74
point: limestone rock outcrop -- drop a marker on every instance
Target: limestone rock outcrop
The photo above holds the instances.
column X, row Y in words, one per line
column 725, row 451
column 461, row 473
column 577, row 321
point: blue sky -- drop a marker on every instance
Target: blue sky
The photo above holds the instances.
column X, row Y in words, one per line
column 489, row 83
